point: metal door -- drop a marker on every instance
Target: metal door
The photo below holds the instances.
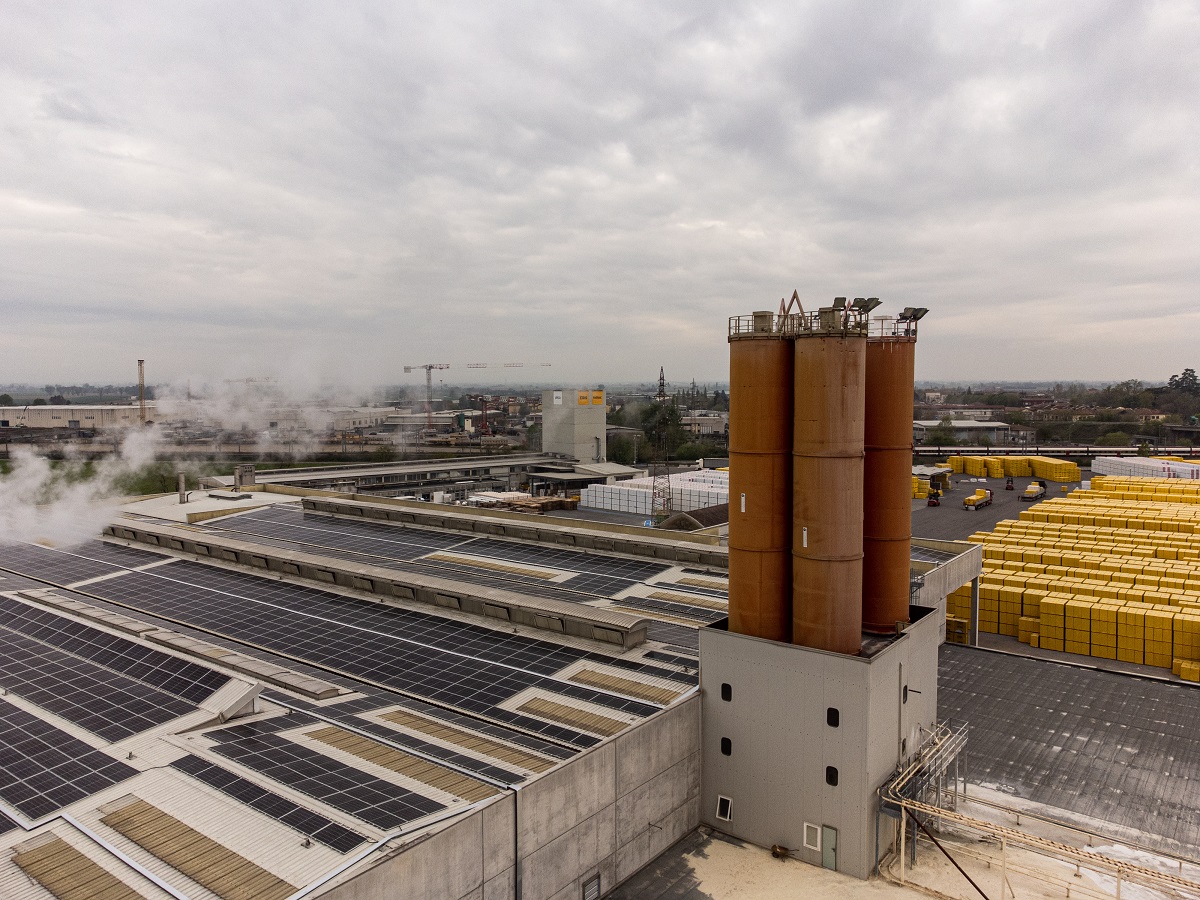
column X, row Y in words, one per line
column 828, row 847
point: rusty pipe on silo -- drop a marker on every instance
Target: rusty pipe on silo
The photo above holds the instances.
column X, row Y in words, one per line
column 760, row 477
column 887, row 481
column 827, row 476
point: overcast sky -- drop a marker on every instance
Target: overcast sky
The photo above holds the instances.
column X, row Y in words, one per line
column 337, row 189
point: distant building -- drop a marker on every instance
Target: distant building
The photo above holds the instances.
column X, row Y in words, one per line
column 73, row 416
column 702, row 421
column 574, row 424
column 966, row 431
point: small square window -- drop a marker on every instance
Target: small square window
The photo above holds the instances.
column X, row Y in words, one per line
column 726, row 747
column 724, row 808
column 833, row 718
column 812, row 836
column 591, row 888
column 726, row 692
column 831, row 776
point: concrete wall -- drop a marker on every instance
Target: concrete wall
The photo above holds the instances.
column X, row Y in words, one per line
column 781, row 742
column 610, row 810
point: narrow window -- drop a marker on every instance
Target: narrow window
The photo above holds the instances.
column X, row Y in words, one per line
column 833, row 718
column 831, row 776
column 904, row 694
column 724, row 808
column 591, row 888
column 726, row 747
column 726, row 691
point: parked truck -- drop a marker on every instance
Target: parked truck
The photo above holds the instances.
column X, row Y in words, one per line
column 981, row 497
column 1035, row 491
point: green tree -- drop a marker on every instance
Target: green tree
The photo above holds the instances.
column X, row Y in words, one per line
column 6, row 400
column 1113, row 439
column 941, row 435
column 40, row 401
column 1186, row 382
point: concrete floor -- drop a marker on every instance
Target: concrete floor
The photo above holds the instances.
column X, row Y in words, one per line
column 707, row 865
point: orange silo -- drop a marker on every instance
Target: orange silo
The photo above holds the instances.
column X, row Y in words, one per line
column 760, row 477
column 887, row 483
column 827, row 475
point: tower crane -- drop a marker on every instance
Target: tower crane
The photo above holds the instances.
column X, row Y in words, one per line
column 429, row 367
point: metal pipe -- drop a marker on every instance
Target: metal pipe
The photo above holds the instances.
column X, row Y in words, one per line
column 946, row 853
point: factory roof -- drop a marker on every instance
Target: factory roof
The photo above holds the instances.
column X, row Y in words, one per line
column 171, row 717
column 263, row 697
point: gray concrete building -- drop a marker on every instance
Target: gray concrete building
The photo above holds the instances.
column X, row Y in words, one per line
column 573, row 424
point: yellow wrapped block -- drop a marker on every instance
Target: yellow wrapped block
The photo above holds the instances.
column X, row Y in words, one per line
column 1190, row 671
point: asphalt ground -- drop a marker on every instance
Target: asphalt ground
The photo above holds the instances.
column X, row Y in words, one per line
column 950, row 522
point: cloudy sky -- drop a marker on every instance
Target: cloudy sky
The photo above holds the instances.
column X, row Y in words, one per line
column 338, row 189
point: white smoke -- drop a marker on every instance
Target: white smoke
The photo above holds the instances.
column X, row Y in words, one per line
column 60, row 506
column 284, row 416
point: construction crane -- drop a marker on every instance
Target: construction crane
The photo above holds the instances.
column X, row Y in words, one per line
column 429, row 367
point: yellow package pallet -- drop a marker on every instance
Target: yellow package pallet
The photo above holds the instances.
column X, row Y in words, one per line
column 1017, row 467
column 1026, row 626
column 1077, row 635
column 1186, row 635
column 955, row 463
column 1052, row 626
column 1104, row 631
column 1159, row 647
column 1190, row 671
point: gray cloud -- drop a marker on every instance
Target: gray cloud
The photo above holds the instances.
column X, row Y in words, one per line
column 227, row 189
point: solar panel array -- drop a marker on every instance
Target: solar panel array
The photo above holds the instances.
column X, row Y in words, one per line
column 171, row 674
column 85, row 694
column 307, row 822
column 448, row 661
column 53, row 566
column 348, row 716
column 381, row 803
column 43, row 769
column 403, row 548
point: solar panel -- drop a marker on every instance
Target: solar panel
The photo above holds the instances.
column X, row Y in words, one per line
column 179, row 677
column 103, row 702
column 53, row 565
column 6, row 824
column 315, row 825
column 355, row 792
column 43, row 769
column 401, row 547
column 349, row 717
column 672, row 658
column 697, row 614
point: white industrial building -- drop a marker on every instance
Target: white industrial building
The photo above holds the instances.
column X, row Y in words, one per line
column 85, row 417
column 573, row 424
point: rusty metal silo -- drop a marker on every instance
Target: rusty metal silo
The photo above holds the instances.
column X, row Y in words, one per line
column 760, row 477
column 887, row 482
column 827, row 472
